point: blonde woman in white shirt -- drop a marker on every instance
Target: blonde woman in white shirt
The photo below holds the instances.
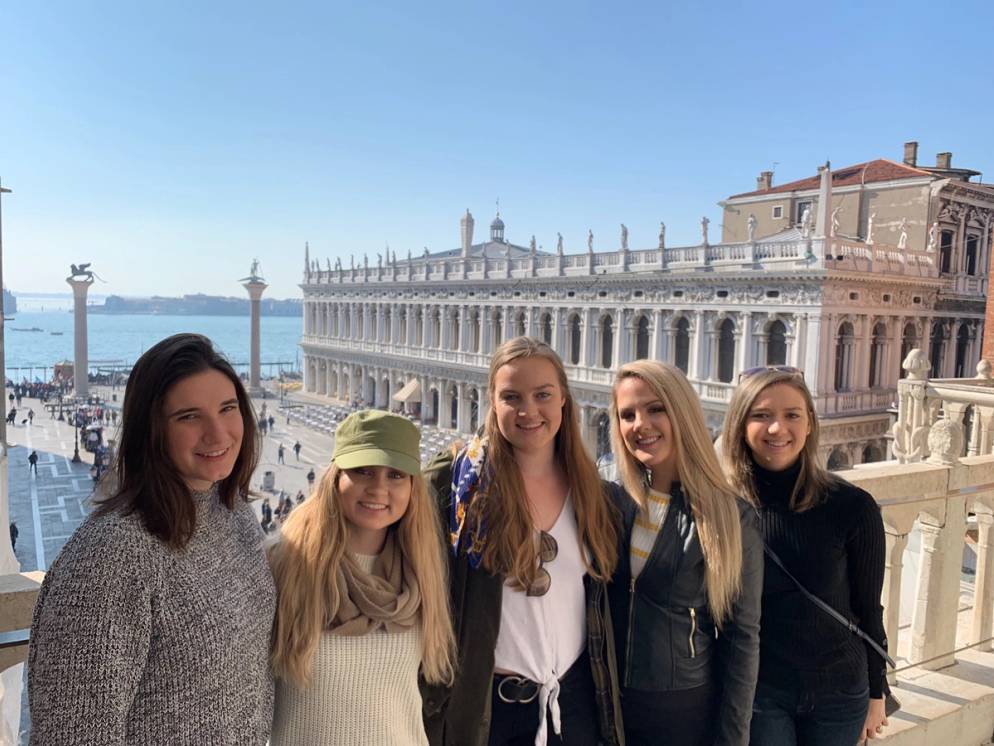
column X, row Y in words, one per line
column 362, row 606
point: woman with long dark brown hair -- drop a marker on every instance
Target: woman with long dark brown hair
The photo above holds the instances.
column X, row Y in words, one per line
column 533, row 536
column 153, row 624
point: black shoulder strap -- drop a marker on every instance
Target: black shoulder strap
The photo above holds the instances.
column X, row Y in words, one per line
column 848, row 624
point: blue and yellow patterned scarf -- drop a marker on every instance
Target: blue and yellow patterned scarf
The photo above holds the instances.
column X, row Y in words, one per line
column 467, row 470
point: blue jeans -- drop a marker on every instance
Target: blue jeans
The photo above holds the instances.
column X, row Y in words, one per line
column 786, row 717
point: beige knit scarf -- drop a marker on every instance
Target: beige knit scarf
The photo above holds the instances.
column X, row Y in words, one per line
column 388, row 597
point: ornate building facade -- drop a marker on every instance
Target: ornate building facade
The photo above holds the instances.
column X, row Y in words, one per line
column 846, row 309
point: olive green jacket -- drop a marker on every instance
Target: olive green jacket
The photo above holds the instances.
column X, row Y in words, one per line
column 459, row 715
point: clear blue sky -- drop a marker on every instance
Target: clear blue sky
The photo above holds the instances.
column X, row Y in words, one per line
column 169, row 143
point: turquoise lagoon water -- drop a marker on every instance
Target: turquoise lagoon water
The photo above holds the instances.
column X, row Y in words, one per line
column 123, row 338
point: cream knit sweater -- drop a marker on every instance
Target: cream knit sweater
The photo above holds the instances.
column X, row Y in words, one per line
column 363, row 692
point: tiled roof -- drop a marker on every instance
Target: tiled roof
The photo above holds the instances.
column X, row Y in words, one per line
column 862, row 173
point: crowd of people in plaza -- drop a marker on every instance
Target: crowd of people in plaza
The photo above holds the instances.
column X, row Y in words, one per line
column 502, row 594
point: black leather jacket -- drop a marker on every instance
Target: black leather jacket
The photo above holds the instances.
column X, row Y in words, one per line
column 665, row 636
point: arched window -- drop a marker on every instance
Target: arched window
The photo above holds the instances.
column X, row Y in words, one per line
column 603, row 435
column 776, row 344
column 945, row 251
column 838, row 460
column 474, row 410
column 642, row 338
column 545, row 326
column 962, row 346
column 498, row 327
column 419, row 329
column 607, row 341
column 682, row 345
column 877, row 358
column 726, row 351
column 360, row 318
column 574, row 339
column 937, row 348
column 909, row 341
column 388, row 325
column 972, row 246
column 347, row 326
column 519, row 325
column 872, row 454
column 843, row 356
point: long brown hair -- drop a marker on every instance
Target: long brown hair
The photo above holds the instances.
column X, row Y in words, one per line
column 813, row 480
column 499, row 517
column 704, row 486
column 305, row 562
column 145, row 479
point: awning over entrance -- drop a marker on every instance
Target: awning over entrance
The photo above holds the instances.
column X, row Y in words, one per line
column 411, row 392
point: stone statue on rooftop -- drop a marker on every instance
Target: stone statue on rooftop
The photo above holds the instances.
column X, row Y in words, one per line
column 427, row 253
column 662, row 235
column 408, row 256
column 365, row 260
column 590, row 241
column 379, row 260
column 328, row 263
column 902, row 239
column 933, row 236
column 531, row 246
column 559, row 244
column 352, row 262
column 806, row 222
column 624, row 237
column 869, row 227
column 751, row 227
column 704, row 230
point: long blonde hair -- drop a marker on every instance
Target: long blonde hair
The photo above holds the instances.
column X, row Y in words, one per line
column 499, row 517
column 813, row 480
column 711, row 500
column 304, row 564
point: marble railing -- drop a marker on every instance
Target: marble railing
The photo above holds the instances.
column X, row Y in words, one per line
column 832, row 253
column 944, row 473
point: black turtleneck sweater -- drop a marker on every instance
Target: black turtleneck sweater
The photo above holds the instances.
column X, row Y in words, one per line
column 837, row 551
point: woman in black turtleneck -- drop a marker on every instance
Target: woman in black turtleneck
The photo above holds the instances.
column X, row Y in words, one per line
column 819, row 684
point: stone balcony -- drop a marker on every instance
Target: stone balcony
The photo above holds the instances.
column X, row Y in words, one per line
column 939, row 494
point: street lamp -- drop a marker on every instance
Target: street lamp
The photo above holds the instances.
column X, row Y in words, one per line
column 75, row 452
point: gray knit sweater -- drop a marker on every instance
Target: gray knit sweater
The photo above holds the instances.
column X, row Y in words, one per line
column 134, row 643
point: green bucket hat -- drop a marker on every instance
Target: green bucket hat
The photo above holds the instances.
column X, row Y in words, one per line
column 376, row 438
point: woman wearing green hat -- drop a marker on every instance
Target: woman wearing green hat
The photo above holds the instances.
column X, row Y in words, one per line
column 362, row 606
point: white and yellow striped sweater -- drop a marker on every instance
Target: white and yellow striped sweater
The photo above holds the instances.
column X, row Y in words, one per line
column 648, row 523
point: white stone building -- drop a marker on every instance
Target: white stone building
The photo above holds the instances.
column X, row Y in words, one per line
column 845, row 309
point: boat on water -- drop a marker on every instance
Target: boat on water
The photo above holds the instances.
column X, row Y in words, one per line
column 26, row 329
column 56, row 334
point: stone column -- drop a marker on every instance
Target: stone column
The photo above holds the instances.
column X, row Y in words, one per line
column 81, row 362
column 745, row 351
column 983, row 601
column 933, row 624
column 255, row 287
column 893, row 569
column 618, row 343
column 462, row 413
column 695, row 351
column 812, row 357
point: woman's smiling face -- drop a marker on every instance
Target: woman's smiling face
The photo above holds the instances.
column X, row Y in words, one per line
column 529, row 403
column 778, row 426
